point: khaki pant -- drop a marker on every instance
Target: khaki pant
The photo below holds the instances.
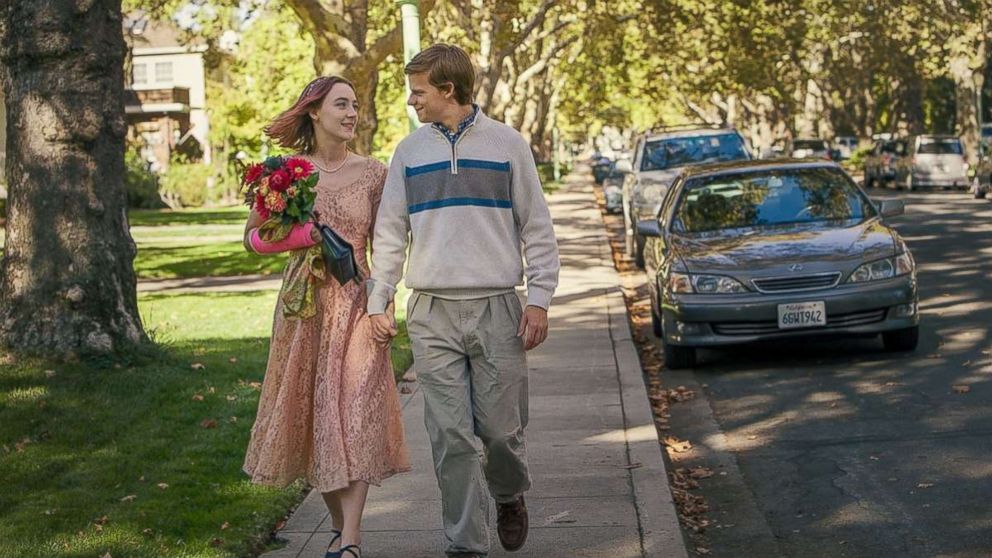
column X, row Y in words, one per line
column 473, row 371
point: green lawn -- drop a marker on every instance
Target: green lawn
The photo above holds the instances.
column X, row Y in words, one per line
column 142, row 457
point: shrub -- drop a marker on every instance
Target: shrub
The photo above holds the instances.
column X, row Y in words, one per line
column 857, row 159
column 140, row 183
column 184, row 184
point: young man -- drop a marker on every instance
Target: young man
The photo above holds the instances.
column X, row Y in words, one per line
column 465, row 191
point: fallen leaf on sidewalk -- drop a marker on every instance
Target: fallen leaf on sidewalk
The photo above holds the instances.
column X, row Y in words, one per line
column 924, row 485
column 632, row 466
column 961, row 388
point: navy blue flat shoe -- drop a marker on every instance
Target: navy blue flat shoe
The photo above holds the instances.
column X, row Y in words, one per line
column 351, row 549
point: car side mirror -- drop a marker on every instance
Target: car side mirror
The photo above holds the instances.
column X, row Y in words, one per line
column 649, row 228
column 624, row 166
column 891, row 208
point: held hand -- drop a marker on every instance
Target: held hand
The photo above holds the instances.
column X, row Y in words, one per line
column 533, row 327
column 315, row 234
column 384, row 326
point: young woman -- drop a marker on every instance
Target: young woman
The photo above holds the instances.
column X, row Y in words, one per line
column 329, row 410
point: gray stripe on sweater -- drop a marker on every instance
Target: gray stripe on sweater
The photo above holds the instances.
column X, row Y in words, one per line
column 468, row 183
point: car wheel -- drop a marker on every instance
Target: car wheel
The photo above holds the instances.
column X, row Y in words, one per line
column 628, row 238
column 909, row 183
column 677, row 357
column 978, row 192
column 869, row 181
column 639, row 242
column 901, row 339
column 656, row 323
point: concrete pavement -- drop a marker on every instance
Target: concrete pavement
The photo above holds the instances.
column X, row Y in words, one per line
column 599, row 481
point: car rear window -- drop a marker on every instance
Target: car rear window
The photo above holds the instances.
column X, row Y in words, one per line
column 679, row 152
column 940, row 147
column 768, row 198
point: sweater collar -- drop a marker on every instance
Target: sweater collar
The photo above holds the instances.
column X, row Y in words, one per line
column 468, row 121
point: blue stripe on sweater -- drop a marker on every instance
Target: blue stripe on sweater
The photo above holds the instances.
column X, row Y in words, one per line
column 463, row 163
column 480, row 202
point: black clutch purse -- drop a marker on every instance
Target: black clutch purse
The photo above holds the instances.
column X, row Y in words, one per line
column 339, row 256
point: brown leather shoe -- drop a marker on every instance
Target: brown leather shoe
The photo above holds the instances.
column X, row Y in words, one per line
column 512, row 524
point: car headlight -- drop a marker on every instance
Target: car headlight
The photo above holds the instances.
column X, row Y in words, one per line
column 883, row 269
column 649, row 195
column 688, row 283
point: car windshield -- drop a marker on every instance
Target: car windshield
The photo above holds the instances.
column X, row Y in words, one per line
column 768, row 198
column 679, row 152
column 941, row 147
column 895, row 147
column 809, row 144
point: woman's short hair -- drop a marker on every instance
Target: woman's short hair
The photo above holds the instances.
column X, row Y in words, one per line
column 293, row 128
column 446, row 64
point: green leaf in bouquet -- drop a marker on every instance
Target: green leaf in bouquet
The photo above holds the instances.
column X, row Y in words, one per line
column 273, row 162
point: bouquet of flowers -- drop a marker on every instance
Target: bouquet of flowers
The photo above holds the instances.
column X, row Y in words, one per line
column 282, row 190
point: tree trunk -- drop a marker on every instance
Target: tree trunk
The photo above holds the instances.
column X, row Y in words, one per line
column 67, row 285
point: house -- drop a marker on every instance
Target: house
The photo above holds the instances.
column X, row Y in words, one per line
column 165, row 101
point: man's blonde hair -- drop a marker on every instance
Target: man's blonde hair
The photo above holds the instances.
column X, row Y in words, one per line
column 446, row 64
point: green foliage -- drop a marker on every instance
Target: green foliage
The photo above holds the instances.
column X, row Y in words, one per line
column 272, row 65
column 186, row 184
column 140, row 183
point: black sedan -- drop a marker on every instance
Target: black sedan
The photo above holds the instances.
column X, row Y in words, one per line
column 752, row 251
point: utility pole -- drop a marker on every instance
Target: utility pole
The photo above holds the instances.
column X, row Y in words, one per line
column 410, row 14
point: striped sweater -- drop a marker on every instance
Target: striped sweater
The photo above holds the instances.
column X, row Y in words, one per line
column 470, row 211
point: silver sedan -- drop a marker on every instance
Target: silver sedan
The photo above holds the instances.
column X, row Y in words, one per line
column 752, row 251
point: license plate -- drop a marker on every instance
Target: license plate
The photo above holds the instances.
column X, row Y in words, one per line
column 801, row 314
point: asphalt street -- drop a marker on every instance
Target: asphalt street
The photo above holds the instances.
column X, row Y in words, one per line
column 835, row 447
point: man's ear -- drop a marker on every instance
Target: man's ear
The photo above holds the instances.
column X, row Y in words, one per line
column 449, row 90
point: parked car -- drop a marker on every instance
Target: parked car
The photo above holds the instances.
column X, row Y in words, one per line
column 880, row 165
column 986, row 142
column 765, row 250
column 811, row 149
column 845, row 146
column 659, row 156
column 613, row 185
column 600, row 166
column 931, row 162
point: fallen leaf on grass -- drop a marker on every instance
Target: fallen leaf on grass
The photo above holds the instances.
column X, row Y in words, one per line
column 232, row 360
column 208, row 423
column 224, row 525
column 146, row 531
column 19, row 446
column 106, row 555
column 129, row 498
column 232, row 397
column 217, row 542
column 198, row 397
column 49, row 373
column 162, row 485
column 961, row 388
column 197, row 366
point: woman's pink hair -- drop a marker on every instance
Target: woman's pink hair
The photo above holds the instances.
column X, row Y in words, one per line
column 293, row 128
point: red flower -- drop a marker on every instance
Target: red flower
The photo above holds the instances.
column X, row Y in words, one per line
column 253, row 173
column 299, row 167
column 260, row 208
column 280, row 180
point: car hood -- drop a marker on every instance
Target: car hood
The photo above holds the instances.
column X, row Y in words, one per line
column 814, row 246
column 662, row 178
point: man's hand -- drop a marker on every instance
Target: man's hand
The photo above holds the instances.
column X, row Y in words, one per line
column 384, row 326
column 533, row 327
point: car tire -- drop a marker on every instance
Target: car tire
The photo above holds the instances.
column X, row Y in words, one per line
column 901, row 340
column 978, row 192
column 909, row 183
column 869, row 181
column 656, row 323
column 628, row 239
column 639, row 242
column 677, row 358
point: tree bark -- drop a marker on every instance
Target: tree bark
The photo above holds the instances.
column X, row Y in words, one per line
column 67, row 283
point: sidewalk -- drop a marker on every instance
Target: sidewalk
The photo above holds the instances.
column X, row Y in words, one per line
column 599, row 481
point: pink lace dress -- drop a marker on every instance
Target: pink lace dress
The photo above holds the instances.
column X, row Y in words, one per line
column 329, row 410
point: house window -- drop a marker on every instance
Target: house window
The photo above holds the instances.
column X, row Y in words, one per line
column 163, row 72
column 140, row 74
